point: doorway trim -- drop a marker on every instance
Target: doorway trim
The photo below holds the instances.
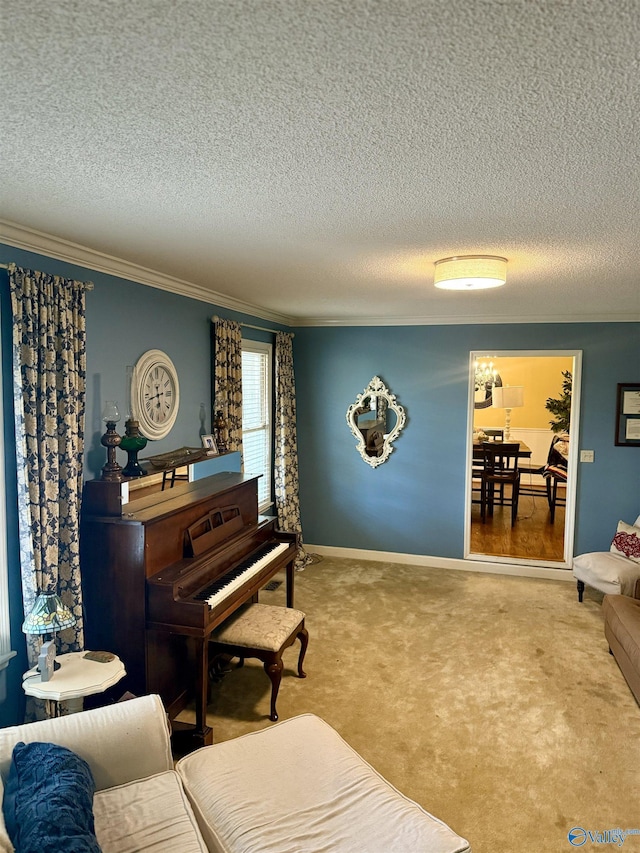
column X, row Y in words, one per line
column 570, row 509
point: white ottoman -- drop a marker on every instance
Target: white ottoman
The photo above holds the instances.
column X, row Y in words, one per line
column 298, row 786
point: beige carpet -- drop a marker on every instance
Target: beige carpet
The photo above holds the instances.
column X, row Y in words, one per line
column 491, row 700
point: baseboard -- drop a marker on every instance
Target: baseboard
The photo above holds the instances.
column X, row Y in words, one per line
column 562, row 573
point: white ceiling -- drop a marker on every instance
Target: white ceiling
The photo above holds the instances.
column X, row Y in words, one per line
column 311, row 159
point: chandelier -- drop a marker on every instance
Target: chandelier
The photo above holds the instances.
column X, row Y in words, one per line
column 486, row 374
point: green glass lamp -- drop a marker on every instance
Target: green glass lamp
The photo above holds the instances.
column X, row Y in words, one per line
column 132, row 442
column 47, row 616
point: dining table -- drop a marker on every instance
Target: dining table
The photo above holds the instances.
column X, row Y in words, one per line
column 524, row 451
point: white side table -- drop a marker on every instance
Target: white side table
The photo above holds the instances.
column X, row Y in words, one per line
column 77, row 677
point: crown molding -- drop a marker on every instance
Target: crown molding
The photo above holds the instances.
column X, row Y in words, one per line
column 31, row 240
column 458, row 320
column 41, row 243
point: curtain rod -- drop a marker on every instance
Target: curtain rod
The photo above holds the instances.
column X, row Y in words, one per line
column 88, row 284
column 249, row 326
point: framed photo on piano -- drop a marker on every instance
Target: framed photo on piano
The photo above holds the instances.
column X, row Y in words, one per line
column 209, row 443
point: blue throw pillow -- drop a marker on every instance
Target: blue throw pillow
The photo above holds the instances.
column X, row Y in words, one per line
column 48, row 801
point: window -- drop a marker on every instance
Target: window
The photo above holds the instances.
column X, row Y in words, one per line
column 256, row 416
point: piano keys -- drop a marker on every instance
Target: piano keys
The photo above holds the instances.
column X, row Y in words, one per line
column 160, row 573
column 215, row 593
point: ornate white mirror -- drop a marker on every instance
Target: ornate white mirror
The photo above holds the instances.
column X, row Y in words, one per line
column 375, row 419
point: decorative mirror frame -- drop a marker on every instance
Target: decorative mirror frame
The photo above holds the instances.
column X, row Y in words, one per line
column 376, row 388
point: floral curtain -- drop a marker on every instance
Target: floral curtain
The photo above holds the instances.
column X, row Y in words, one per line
column 286, row 445
column 227, row 371
column 49, row 381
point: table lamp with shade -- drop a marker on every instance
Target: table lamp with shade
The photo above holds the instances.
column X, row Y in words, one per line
column 47, row 616
column 508, row 397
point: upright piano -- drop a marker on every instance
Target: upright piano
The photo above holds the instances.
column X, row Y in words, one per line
column 161, row 572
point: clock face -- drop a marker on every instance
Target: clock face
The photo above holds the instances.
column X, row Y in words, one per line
column 155, row 394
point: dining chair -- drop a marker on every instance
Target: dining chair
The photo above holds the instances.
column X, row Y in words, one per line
column 500, row 469
column 477, row 467
column 556, row 478
column 555, row 473
column 496, row 433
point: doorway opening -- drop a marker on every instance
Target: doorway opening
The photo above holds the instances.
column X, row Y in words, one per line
column 541, row 535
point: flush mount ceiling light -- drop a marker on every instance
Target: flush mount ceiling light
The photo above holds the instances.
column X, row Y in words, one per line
column 470, row 272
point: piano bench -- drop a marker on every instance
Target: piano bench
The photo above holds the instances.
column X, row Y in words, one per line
column 262, row 631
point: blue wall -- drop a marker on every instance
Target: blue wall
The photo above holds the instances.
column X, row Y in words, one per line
column 412, row 504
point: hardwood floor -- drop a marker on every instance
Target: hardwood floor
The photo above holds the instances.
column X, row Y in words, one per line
column 532, row 537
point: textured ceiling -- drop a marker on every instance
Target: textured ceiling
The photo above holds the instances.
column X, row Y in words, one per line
column 313, row 159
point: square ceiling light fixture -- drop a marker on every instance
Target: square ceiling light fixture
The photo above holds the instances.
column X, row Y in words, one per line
column 470, row 272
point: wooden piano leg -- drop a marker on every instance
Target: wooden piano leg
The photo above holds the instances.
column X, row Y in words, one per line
column 203, row 731
column 290, row 581
column 186, row 737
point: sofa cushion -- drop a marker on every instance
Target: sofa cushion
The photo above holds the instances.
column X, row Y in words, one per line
column 151, row 815
column 298, row 786
column 48, row 800
column 607, row 572
column 626, row 541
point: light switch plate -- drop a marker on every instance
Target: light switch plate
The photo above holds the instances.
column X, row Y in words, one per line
column 587, row 455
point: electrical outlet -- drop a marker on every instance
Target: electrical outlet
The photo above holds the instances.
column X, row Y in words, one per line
column 587, row 455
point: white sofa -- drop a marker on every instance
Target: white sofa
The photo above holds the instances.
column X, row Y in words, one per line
column 296, row 786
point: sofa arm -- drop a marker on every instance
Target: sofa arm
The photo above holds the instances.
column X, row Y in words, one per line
column 5, row 842
column 122, row 742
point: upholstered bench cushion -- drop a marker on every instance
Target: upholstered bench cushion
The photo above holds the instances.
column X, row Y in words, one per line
column 610, row 573
column 152, row 815
column 259, row 626
column 298, row 786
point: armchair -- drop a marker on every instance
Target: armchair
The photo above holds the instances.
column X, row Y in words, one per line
column 613, row 572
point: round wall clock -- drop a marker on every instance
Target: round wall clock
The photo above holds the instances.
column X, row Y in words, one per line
column 155, row 394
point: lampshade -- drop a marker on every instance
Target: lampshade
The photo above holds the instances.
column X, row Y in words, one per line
column 111, row 412
column 508, row 397
column 470, row 272
column 48, row 615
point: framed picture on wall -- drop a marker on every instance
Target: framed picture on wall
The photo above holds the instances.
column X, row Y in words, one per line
column 628, row 414
column 209, row 443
